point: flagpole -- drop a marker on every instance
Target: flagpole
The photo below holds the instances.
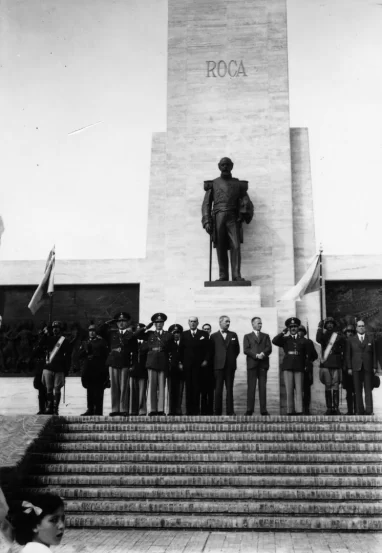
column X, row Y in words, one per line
column 321, row 287
column 50, row 307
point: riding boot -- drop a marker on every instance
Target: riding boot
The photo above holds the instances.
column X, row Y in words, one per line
column 336, row 402
column 56, row 402
column 41, row 401
column 349, row 401
column 329, row 403
column 49, row 404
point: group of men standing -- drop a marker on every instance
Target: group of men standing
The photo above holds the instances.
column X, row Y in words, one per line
column 137, row 361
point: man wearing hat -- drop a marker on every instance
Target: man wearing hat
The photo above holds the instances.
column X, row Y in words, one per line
column 347, row 379
column 57, row 350
column 332, row 358
column 361, row 361
column 176, row 373
column 293, row 367
column 123, row 355
column 93, row 352
column 158, row 344
column 308, row 374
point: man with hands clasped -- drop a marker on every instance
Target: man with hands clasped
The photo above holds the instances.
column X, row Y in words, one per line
column 257, row 347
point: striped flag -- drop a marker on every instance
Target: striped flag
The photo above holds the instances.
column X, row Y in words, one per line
column 46, row 286
column 309, row 282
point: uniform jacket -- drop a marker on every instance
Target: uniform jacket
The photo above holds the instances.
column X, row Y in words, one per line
column 296, row 352
column 335, row 359
column 93, row 353
column 312, row 354
column 224, row 351
column 361, row 355
column 253, row 346
column 158, row 349
column 139, row 370
column 61, row 361
column 193, row 351
column 123, row 347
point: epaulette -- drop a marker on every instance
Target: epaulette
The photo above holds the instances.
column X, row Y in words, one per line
column 208, row 185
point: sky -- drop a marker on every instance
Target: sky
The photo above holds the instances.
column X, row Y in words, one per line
column 83, row 87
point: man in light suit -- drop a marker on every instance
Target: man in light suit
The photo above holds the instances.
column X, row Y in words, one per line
column 257, row 347
column 193, row 354
column 225, row 348
column 361, row 362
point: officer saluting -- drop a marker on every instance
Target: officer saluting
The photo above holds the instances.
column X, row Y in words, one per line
column 158, row 344
column 296, row 351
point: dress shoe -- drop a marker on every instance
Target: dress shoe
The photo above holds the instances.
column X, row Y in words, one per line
column 265, row 414
column 153, row 414
column 114, row 414
column 124, row 414
column 161, row 414
column 248, row 413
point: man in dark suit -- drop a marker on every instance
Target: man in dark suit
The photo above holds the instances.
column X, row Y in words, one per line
column 308, row 374
column 257, row 347
column 361, row 361
column 208, row 381
column 296, row 351
column 225, row 348
column 193, row 359
column 176, row 373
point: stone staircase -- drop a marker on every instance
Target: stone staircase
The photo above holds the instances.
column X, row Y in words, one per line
column 280, row 473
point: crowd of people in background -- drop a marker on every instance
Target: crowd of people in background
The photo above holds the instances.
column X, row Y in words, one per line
column 142, row 362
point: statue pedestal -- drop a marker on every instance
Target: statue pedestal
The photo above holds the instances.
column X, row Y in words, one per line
column 226, row 283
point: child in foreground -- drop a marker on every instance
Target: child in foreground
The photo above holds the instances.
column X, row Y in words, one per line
column 39, row 523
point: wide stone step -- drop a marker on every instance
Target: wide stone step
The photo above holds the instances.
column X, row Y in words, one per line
column 231, row 493
column 221, row 436
column 311, row 419
column 142, row 427
column 225, row 522
column 207, row 469
column 175, row 480
column 203, row 457
column 223, row 506
column 202, row 446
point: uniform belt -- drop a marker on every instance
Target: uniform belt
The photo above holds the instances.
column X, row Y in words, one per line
column 293, row 352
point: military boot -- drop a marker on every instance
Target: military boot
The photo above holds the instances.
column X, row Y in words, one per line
column 329, row 403
column 49, row 404
column 41, row 402
column 56, row 402
column 336, row 402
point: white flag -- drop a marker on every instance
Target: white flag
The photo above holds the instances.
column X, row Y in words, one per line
column 46, row 286
column 309, row 282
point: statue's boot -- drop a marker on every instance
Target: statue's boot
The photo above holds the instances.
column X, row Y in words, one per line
column 329, row 403
column 56, row 402
column 238, row 279
column 336, row 402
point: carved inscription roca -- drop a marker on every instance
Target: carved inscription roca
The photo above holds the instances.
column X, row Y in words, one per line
column 222, row 68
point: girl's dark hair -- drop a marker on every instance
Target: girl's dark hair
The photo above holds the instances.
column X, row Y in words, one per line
column 24, row 523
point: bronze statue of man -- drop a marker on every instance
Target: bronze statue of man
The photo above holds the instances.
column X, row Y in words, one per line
column 225, row 206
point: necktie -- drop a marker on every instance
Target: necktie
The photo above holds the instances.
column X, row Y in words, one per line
column 193, row 334
column 361, row 338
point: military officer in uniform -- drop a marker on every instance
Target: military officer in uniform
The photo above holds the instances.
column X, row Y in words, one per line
column 176, row 373
column 332, row 359
column 123, row 355
column 225, row 206
column 93, row 352
column 308, row 374
column 293, row 366
column 139, row 376
column 158, row 344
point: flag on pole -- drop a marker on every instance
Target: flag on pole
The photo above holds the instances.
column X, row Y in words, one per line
column 46, row 286
column 309, row 282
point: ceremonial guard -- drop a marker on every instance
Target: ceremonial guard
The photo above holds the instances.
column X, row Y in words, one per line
column 308, row 374
column 332, row 358
column 293, row 366
column 347, row 379
column 176, row 373
column 95, row 377
column 123, row 355
column 158, row 344
column 139, row 376
column 361, row 361
column 57, row 363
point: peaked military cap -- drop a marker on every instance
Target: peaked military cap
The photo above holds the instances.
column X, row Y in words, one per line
column 57, row 324
column 329, row 320
column 122, row 316
column 141, row 325
column 159, row 318
column 92, row 326
column 292, row 321
column 175, row 328
column 302, row 328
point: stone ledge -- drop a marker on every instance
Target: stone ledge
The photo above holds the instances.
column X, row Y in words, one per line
column 226, row 283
